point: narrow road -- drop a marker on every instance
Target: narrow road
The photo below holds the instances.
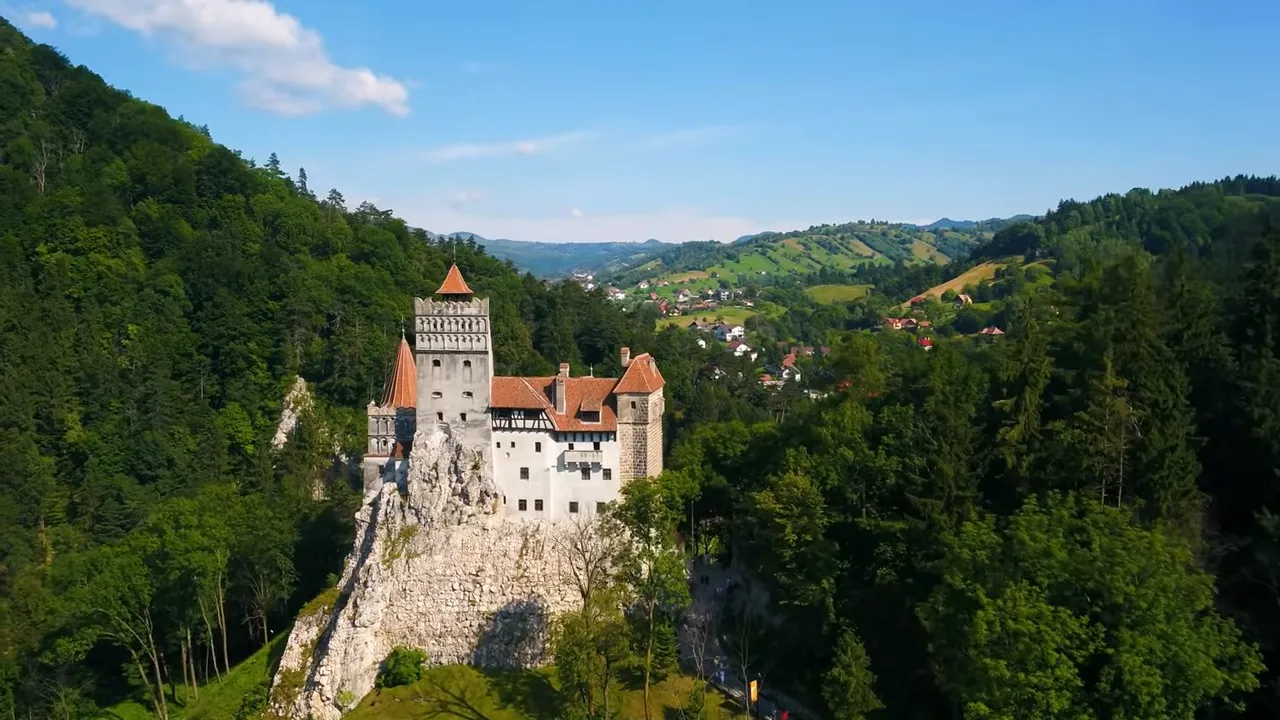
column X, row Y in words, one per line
column 701, row 649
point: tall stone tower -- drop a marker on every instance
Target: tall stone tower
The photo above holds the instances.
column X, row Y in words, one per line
column 391, row 422
column 640, row 409
column 455, row 363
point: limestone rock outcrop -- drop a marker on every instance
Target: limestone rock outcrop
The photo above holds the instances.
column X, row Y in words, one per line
column 436, row 567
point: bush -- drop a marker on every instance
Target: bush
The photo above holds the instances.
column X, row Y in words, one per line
column 254, row 702
column 402, row 667
column 346, row 699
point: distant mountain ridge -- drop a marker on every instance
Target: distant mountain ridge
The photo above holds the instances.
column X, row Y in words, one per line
column 837, row 247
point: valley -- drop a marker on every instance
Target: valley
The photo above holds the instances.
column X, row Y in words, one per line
column 267, row 455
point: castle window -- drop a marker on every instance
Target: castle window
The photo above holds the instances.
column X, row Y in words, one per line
column 436, row 395
column 466, row 363
column 466, row 371
column 633, row 404
column 498, row 445
column 586, row 473
column 440, row 416
column 599, row 508
column 595, row 446
column 463, row 417
column 513, row 443
column 570, row 446
column 523, row 504
column 537, row 447
column 608, row 474
column 436, row 363
column 573, row 507
column 524, row 473
column 467, row 394
column 537, row 505
column 590, row 416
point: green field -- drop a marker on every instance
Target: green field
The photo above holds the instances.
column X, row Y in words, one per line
column 459, row 691
column 831, row 294
column 731, row 315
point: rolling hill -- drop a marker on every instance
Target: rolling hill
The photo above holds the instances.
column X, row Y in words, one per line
column 819, row 254
column 550, row 259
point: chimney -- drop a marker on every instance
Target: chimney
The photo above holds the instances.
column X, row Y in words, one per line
column 562, row 392
column 564, row 369
column 626, row 357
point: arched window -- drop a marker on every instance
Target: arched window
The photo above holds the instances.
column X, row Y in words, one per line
column 466, row 363
column 467, row 394
column 466, row 371
column 633, row 404
column 435, row 363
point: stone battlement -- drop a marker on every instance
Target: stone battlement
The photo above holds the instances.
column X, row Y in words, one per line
column 429, row 306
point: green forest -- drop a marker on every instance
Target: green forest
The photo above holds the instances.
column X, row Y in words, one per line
column 1078, row 520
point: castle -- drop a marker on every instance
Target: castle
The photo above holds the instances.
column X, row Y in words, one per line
column 556, row 447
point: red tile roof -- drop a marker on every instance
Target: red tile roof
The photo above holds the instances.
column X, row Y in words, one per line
column 642, row 376
column 402, row 386
column 537, row 393
column 453, row 283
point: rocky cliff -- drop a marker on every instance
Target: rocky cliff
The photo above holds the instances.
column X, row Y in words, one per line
column 434, row 567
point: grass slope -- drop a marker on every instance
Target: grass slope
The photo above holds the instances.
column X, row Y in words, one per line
column 218, row 700
column 832, row 294
column 972, row 276
column 731, row 315
column 460, row 691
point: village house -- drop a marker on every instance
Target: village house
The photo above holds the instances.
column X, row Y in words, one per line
column 962, row 300
column 725, row 332
column 991, row 331
column 740, row 348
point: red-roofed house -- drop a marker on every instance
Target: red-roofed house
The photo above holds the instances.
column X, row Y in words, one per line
column 556, row 447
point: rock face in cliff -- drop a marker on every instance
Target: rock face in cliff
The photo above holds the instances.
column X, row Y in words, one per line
column 434, row 567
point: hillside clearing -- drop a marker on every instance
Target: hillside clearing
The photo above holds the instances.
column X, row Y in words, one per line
column 974, row 275
column 461, row 691
column 731, row 315
column 685, row 277
column 830, row 294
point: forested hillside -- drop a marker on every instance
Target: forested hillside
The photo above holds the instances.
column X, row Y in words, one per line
column 1074, row 519
column 158, row 296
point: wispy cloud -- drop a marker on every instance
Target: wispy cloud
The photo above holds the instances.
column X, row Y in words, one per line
column 41, row 19
column 689, row 136
column 283, row 64
column 531, row 146
column 463, row 198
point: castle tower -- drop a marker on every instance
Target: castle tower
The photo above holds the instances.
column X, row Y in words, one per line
column 392, row 421
column 455, row 362
column 640, row 409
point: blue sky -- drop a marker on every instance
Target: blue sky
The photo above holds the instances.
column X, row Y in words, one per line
column 698, row 119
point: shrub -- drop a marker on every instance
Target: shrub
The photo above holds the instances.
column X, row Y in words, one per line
column 402, row 667
column 253, row 703
column 346, row 699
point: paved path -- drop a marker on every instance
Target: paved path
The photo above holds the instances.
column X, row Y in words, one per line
column 709, row 592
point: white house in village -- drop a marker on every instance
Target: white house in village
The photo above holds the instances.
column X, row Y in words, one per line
column 725, row 332
column 558, row 447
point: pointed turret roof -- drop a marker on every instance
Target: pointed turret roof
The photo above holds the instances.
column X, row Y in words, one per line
column 453, row 283
column 402, row 385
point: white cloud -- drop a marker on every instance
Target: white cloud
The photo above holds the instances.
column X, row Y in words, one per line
column 462, row 198
column 284, row 65
column 576, row 212
column 41, row 19
column 532, row 146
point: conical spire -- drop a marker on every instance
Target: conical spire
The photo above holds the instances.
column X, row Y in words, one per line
column 453, row 283
column 402, row 386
